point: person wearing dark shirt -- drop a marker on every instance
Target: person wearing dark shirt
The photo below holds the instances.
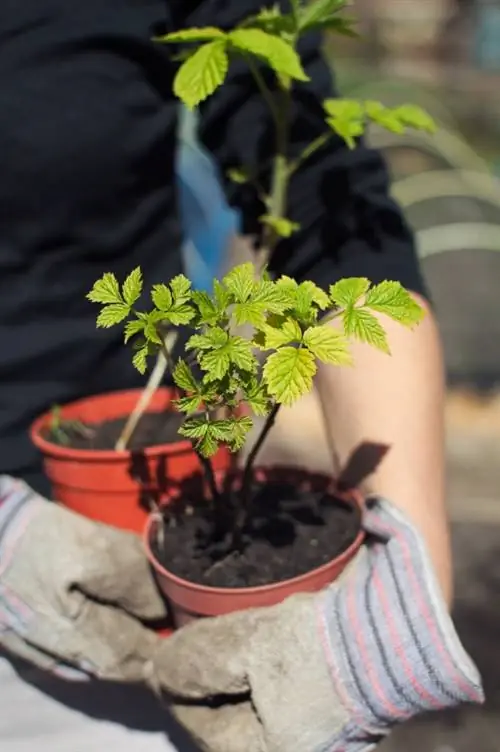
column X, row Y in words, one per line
column 87, row 137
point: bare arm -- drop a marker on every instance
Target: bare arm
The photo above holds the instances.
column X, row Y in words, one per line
column 396, row 403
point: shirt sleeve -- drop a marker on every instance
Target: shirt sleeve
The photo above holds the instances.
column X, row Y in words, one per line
column 350, row 226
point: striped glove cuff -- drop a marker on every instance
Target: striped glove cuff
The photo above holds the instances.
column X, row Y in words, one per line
column 393, row 650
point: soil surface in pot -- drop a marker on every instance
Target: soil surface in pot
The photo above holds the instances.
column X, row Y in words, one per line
column 290, row 533
column 153, row 429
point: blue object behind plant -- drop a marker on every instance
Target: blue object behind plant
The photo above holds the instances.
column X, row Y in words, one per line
column 208, row 223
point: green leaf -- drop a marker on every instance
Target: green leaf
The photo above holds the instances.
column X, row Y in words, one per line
column 132, row 287
column 316, row 12
column 349, row 291
column 266, row 299
column 343, row 26
column 288, row 374
column 238, row 175
column 134, row 327
column 198, row 430
column 415, row 117
column 112, row 314
column 240, row 430
column 181, row 289
column 365, row 327
column 184, row 378
column 346, row 117
column 204, row 34
column 214, row 337
column 393, row 300
column 188, row 405
column 256, row 396
column 222, row 297
column 206, row 306
column 202, row 73
column 162, row 297
column 273, row 21
column 237, row 352
column 288, row 332
column 328, row 345
column 240, row 281
column 140, row 359
column 277, row 53
column 180, row 315
column 105, row 290
column 385, row 117
column 315, row 294
column 283, row 227
column 151, row 328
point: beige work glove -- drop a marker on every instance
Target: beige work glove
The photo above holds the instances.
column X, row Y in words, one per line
column 332, row 672
column 73, row 592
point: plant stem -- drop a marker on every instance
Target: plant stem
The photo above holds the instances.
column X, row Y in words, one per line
column 246, row 483
column 163, row 361
column 209, row 474
column 264, row 89
column 313, row 147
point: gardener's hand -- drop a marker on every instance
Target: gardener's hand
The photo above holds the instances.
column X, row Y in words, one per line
column 72, row 591
column 335, row 671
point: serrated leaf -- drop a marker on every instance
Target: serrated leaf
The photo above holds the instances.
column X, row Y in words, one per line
column 202, row 73
column 343, row 26
column 415, row 117
column 112, row 314
column 316, row 12
column 241, row 428
column 276, row 52
column 184, row 377
column 188, row 405
column 273, row 21
column 393, row 300
column 209, row 312
column 181, row 288
column 180, row 315
column 256, row 397
column 365, row 327
column 198, row 431
column 203, row 34
column 132, row 287
column 385, row 117
column 266, row 299
column 133, row 327
column 346, row 117
column 288, row 374
column 328, row 345
column 151, row 329
column 161, row 297
column 105, row 290
column 287, row 333
column 283, row 227
column 140, row 359
column 240, row 281
column 349, row 291
column 316, row 294
column 214, row 337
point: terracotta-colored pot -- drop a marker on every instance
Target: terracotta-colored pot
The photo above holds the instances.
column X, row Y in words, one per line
column 117, row 487
column 189, row 600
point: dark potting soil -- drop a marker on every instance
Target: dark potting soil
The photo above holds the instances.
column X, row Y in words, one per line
column 153, row 429
column 290, row 533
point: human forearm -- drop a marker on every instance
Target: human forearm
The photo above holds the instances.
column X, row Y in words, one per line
column 394, row 405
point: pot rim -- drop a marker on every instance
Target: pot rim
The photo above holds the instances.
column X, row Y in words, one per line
column 101, row 455
column 351, row 496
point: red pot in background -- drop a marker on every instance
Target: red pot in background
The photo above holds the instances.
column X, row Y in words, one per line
column 190, row 600
column 117, row 487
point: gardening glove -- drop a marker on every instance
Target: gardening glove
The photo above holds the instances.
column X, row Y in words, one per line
column 332, row 672
column 72, row 591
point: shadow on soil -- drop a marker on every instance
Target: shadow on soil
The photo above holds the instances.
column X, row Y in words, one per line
column 477, row 618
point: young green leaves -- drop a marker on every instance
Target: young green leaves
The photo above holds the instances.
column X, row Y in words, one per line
column 285, row 323
column 205, row 70
column 348, row 118
column 171, row 309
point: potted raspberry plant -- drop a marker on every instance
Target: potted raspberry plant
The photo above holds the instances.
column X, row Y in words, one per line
column 269, row 39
